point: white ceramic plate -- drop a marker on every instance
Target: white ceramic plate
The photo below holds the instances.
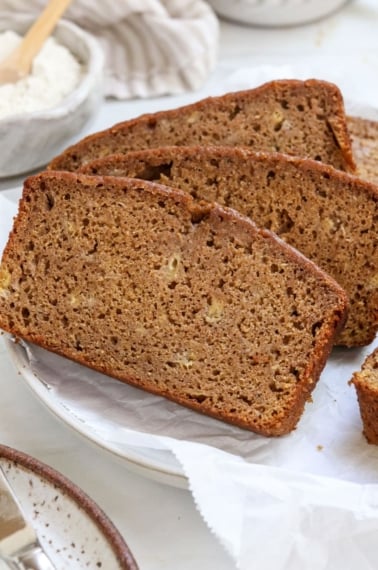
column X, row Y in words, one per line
column 73, row 530
column 133, row 425
column 159, row 465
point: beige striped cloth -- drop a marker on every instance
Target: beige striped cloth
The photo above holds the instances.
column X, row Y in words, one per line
column 152, row 47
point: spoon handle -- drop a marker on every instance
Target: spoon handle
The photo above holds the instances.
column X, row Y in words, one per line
column 37, row 34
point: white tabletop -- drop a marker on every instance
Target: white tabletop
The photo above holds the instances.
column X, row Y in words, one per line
column 159, row 522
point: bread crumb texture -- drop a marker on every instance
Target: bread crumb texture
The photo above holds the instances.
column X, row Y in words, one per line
column 190, row 301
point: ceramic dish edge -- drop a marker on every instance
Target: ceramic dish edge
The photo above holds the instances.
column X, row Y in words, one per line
column 137, row 462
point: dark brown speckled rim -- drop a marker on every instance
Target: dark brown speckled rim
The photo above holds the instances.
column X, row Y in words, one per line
column 109, row 531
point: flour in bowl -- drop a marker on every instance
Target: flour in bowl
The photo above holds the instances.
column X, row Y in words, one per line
column 54, row 74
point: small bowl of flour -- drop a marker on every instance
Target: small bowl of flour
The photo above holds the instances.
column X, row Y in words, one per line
column 46, row 111
column 54, row 74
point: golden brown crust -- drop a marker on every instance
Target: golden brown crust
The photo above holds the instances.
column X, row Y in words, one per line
column 304, row 118
column 329, row 215
column 186, row 300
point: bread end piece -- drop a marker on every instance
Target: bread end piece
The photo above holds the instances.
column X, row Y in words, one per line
column 365, row 382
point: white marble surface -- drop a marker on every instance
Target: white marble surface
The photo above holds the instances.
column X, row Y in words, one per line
column 161, row 523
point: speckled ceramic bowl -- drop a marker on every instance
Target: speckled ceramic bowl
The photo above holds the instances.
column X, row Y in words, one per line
column 30, row 140
column 73, row 530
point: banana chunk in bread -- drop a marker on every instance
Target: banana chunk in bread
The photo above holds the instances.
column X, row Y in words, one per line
column 328, row 215
column 366, row 383
column 186, row 300
column 302, row 118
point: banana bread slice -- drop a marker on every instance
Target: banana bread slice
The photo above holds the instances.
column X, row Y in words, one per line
column 364, row 135
column 330, row 216
column 366, row 384
column 186, row 300
column 303, row 118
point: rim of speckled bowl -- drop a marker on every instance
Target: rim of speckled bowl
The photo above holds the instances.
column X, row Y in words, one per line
column 97, row 515
column 93, row 67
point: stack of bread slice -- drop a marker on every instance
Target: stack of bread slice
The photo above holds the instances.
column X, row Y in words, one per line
column 209, row 254
column 326, row 214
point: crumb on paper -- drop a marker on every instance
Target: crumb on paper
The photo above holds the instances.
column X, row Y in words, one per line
column 319, row 447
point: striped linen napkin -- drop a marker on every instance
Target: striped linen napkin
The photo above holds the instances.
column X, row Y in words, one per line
column 152, row 47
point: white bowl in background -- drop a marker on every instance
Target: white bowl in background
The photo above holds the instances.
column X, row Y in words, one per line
column 30, row 140
column 275, row 12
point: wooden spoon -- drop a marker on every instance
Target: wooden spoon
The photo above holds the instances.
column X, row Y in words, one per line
column 19, row 62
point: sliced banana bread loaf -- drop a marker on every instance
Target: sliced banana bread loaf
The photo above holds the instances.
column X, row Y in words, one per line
column 187, row 300
column 303, row 118
column 330, row 216
column 366, row 384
